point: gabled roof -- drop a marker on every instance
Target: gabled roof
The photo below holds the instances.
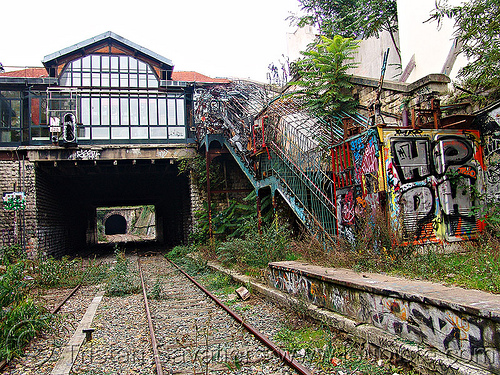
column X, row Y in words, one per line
column 107, row 42
column 108, row 35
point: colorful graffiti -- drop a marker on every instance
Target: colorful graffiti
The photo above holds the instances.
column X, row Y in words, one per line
column 430, row 179
column 359, row 194
column 460, row 334
column 433, row 177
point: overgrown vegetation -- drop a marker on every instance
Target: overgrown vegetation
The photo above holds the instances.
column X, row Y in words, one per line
column 122, row 279
column 20, row 317
column 323, row 83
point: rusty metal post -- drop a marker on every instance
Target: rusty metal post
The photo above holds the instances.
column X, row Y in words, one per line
column 259, row 214
column 208, row 160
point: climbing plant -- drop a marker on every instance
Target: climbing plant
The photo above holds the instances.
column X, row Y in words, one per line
column 323, row 85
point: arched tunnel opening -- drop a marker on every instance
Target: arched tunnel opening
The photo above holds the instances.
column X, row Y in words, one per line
column 69, row 194
column 115, row 224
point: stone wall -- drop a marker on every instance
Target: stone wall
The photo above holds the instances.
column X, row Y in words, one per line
column 19, row 226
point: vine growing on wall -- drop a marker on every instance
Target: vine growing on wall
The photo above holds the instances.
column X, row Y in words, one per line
column 196, row 168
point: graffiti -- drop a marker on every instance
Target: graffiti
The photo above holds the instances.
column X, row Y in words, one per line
column 471, row 338
column 14, row 201
column 405, row 132
column 362, row 196
column 162, row 154
column 431, row 179
column 85, row 155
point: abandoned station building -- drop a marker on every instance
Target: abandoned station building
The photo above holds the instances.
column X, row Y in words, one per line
column 101, row 125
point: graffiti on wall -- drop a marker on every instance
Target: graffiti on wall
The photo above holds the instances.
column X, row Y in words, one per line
column 433, row 177
column 360, row 194
column 471, row 338
column 490, row 126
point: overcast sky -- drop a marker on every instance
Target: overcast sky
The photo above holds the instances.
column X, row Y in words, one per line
column 219, row 38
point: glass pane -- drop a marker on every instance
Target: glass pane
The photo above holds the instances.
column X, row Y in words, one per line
column 85, row 79
column 96, row 63
column 83, row 133
column 124, row 111
column 100, row 133
column 85, row 111
column 77, row 64
column 95, row 113
column 143, row 103
column 86, row 63
column 96, row 79
column 134, row 111
column 115, row 111
column 133, row 80
column 123, row 80
column 180, row 111
column 123, row 64
column 15, row 121
column 133, row 65
column 65, row 79
column 119, row 133
column 114, row 80
column 176, row 132
column 152, row 81
column 105, row 63
column 162, row 111
column 158, row 132
column 77, row 79
column 142, row 66
column 142, row 80
column 105, row 79
column 105, row 111
column 114, row 63
column 139, row 132
column 153, row 111
column 40, row 134
column 171, row 112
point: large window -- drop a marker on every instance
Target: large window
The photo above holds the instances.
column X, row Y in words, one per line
column 10, row 116
column 119, row 99
column 109, row 71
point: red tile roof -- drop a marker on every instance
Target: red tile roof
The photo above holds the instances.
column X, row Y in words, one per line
column 176, row 76
column 196, row 77
column 27, row 73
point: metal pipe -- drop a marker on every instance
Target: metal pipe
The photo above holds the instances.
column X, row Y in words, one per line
column 156, row 356
column 284, row 355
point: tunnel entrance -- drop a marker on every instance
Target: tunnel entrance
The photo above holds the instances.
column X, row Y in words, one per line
column 71, row 194
column 115, row 224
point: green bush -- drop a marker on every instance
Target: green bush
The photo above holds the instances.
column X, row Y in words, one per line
column 122, row 281
column 11, row 254
column 257, row 250
column 20, row 318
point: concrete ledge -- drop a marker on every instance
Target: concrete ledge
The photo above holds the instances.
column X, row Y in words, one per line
column 459, row 323
column 424, row 359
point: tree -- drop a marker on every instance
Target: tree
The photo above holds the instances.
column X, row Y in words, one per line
column 358, row 19
column 323, row 83
column 477, row 26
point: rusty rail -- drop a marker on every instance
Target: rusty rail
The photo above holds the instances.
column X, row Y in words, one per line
column 284, row 355
column 159, row 370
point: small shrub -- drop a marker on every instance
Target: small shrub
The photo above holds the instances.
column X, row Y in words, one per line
column 20, row 317
column 121, row 281
column 11, row 254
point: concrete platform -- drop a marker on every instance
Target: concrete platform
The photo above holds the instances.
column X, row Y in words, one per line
column 460, row 323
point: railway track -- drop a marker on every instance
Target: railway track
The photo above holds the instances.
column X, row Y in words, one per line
column 183, row 330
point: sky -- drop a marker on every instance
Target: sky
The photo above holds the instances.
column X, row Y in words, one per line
column 218, row 38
